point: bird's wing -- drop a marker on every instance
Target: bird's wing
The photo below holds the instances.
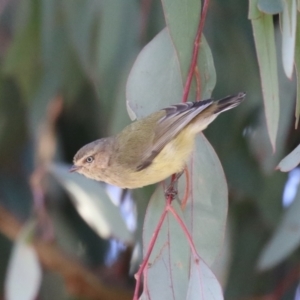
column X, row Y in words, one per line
column 176, row 118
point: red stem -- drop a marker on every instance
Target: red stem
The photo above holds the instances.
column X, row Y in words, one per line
column 138, row 275
column 168, row 206
column 286, row 283
column 185, row 230
column 195, row 52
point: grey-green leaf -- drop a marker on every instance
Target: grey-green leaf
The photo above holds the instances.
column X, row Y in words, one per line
column 297, row 66
column 154, row 81
column 291, row 161
column 203, row 284
column 182, row 19
column 285, row 239
column 24, row 273
column 206, row 69
column 289, row 24
column 271, row 7
column 167, row 274
column 171, row 272
column 263, row 30
column 93, row 204
column 206, row 209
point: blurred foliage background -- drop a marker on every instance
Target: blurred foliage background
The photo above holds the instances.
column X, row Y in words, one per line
column 63, row 71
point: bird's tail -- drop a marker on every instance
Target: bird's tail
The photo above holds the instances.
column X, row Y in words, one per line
column 229, row 102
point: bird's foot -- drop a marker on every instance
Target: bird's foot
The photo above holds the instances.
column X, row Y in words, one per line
column 171, row 191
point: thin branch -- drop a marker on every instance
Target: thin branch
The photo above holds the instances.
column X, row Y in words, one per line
column 79, row 281
column 195, row 52
column 169, row 198
column 186, row 232
column 138, row 275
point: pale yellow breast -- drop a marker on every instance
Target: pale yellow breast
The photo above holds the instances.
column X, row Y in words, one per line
column 170, row 160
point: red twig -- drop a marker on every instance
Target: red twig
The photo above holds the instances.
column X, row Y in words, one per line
column 138, row 275
column 286, row 283
column 186, row 232
column 169, row 199
column 195, row 52
column 198, row 84
column 145, row 12
column 187, row 189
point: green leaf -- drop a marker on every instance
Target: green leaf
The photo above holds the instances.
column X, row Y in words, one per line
column 291, row 161
column 271, row 7
column 168, row 271
column 259, row 142
column 206, row 209
column 81, row 24
column 24, row 273
column 263, row 30
column 116, row 46
column 172, row 273
column 23, row 58
column 182, row 19
column 285, row 239
column 154, row 81
column 93, row 204
column 297, row 66
column 289, row 24
column 203, row 282
column 207, row 70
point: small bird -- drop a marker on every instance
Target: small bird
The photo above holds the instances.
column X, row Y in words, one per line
column 153, row 148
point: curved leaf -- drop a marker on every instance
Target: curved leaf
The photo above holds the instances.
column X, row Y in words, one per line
column 154, row 81
column 286, row 238
column 206, row 209
column 263, row 30
column 207, row 70
column 289, row 24
column 93, row 204
column 167, row 276
column 182, row 19
column 291, row 161
column 203, row 284
column 172, row 274
column 297, row 67
column 24, row 273
column 270, row 6
column 183, row 28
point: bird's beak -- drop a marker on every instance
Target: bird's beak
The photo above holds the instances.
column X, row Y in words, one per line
column 74, row 168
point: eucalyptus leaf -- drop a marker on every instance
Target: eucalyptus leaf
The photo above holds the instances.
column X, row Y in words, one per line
column 182, row 19
column 271, row 7
column 285, row 239
column 154, row 81
column 168, row 271
column 183, row 28
column 203, row 284
column 263, row 30
column 291, row 161
column 93, row 204
column 24, row 273
column 22, row 60
column 289, row 25
column 171, row 272
column 206, row 69
column 206, row 207
column 297, row 66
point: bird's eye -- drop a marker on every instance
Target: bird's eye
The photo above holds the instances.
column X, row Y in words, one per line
column 89, row 159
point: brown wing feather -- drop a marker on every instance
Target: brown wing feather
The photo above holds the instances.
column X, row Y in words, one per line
column 176, row 118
